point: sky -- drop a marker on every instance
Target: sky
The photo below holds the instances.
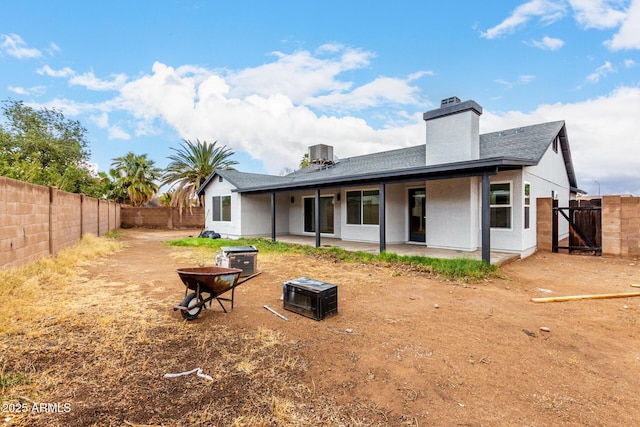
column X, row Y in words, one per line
column 269, row 79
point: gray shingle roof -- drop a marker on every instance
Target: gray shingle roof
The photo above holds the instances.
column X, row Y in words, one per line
column 247, row 180
column 528, row 142
column 524, row 146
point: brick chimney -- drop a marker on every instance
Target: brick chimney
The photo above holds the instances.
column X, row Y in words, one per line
column 453, row 132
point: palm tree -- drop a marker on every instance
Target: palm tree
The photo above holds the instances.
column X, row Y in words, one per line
column 136, row 175
column 192, row 164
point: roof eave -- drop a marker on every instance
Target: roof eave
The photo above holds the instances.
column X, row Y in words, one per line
column 448, row 170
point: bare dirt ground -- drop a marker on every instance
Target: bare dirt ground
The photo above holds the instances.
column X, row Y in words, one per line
column 404, row 349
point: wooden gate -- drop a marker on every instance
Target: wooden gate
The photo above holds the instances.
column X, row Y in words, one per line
column 585, row 225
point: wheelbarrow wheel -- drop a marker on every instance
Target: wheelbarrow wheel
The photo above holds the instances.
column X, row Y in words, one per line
column 193, row 310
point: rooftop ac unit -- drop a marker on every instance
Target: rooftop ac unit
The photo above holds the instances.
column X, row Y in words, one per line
column 320, row 153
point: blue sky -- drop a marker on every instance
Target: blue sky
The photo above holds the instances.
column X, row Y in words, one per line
column 269, row 80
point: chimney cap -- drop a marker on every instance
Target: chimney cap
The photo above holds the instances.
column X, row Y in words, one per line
column 453, row 108
column 449, row 101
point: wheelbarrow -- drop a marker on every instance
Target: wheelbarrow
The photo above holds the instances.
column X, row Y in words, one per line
column 213, row 281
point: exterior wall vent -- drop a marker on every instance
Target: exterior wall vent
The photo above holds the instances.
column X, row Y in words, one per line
column 449, row 101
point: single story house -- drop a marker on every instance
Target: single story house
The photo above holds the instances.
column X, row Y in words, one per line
column 460, row 190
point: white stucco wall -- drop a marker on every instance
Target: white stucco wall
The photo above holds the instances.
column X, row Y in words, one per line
column 227, row 229
column 250, row 214
column 256, row 215
column 397, row 213
column 546, row 177
column 452, row 215
column 453, row 138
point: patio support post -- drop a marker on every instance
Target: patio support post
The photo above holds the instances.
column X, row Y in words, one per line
column 273, row 216
column 486, row 218
column 382, row 201
column 317, row 222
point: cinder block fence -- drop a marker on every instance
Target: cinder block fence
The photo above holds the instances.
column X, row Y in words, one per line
column 163, row 217
column 38, row 221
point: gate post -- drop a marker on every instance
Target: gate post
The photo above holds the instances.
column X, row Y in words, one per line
column 554, row 225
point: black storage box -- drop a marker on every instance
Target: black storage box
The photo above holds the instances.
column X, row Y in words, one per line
column 244, row 258
column 310, row 298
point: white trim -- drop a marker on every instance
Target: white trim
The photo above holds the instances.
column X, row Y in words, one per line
column 510, row 205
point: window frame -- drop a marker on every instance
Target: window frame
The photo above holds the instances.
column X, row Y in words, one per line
column 508, row 206
column 526, row 196
column 221, row 208
column 364, row 213
column 329, row 232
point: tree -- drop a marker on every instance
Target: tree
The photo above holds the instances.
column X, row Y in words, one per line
column 42, row 147
column 304, row 162
column 135, row 176
column 165, row 198
column 192, row 164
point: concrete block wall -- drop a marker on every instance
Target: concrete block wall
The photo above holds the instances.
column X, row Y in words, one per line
column 38, row 221
column 621, row 226
column 24, row 222
column 90, row 215
column 66, row 226
column 544, row 226
column 162, row 217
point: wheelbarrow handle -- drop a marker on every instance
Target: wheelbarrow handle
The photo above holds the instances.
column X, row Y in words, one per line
column 248, row 278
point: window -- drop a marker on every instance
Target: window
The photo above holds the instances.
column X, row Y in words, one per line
column 221, row 208
column 500, row 195
column 555, row 143
column 527, row 205
column 326, row 214
column 363, row 207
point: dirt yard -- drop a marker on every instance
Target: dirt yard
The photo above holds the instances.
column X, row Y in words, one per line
column 404, row 350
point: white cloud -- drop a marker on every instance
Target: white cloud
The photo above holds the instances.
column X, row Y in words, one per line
column 600, row 72
column 35, row 90
column 630, row 63
column 90, row 81
column 87, row 80
column 598, row 14
column 380, row 90
column 602, row 134
column 521, row 80
column 53, row 48
column 547, row 43
column 64, row 72
column 116, row 132
column 272, row 119
column 101, row 120
column 15, row 46
column 628, row 37
column 546, row 11
column 72, row 108
column 301, row 75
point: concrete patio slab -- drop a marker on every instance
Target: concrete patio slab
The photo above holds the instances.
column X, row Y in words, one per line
column 497, row 258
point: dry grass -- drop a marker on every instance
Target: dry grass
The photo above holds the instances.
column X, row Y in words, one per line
column 84, row 348
column 36, row 287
